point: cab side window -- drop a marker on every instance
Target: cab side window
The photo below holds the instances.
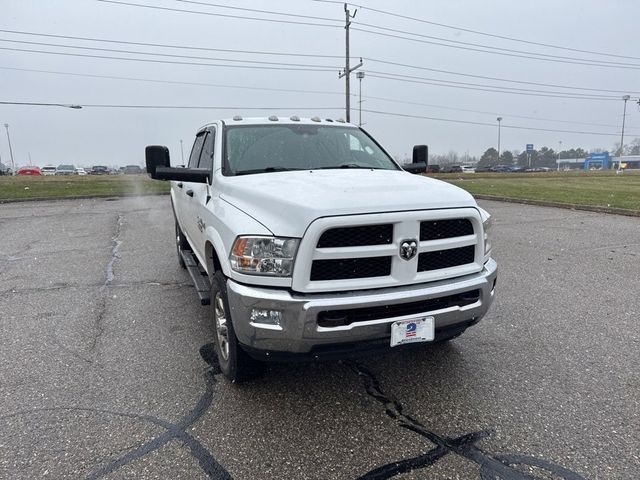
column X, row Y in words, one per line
column 195, row 151
column 206, row 159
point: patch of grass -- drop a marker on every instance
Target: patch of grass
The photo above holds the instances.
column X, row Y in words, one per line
column 599, row 189
column 12, row 188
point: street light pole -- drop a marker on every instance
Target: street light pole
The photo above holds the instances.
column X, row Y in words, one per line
column 624, row 117
column 559, row 148
column 181, row 152
column 360, row 76
column 13, row 167
column 499, row 120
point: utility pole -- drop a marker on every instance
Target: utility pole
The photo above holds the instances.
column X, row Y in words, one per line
column 499, row 119
column 13, row 167
column 360, row 76
column 347, row 69
column 624, row 117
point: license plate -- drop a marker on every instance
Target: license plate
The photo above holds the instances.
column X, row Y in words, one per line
column 412, row 331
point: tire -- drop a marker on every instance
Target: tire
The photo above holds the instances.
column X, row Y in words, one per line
column 181, row 244
column 234, row 362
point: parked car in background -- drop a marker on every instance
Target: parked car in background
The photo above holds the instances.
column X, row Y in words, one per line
column 48, row 170
column 452, row 169
column 80, row 171
column 99, row 170
column 132, row 170
column 66, row 170
column 29, row 171
column 433, row 168
column 4, row 169
column 468, row 169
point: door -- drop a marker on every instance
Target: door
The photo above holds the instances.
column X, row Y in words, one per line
column 200, row 201
column 184, row 193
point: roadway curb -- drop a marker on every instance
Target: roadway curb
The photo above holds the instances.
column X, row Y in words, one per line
column 80, row 197
column 569, row 206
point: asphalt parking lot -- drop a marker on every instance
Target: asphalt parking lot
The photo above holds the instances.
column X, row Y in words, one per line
column 103, row 374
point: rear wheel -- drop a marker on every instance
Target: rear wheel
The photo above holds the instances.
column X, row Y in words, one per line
column 235, row 364
column 181, row 244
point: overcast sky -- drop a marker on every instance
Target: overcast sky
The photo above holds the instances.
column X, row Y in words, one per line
column 117, row 136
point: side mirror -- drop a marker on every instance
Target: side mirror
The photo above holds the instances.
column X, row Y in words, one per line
column 415, row 167
column 158, row 167
column 156, row 156
column 421, row 154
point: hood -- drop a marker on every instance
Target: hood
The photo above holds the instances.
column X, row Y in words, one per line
column 287, row 202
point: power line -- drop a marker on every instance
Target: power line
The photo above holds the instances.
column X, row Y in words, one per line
column 173, row 62
column 485, row 124
column 492, row 35
column 262, row 52
column 523, row 82
column 288, row 90
column 459, row 42
column 179, row 107
column 199, row 12
column 192, row 57
column 163, row 45
column 484, row 112
column 172, row 82
column 255, row 10
column 507, row 89
column 539, row 57
column 491, row 88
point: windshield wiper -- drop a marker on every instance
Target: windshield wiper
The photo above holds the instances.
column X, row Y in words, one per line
column 349, row 165
column 265, row 170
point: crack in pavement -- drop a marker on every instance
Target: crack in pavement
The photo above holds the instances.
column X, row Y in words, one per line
column 492, row 466
column 174, row 431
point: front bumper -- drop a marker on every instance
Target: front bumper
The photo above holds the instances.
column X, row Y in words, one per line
column 299, row 332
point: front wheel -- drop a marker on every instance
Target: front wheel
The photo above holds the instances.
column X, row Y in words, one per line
column 234, row 363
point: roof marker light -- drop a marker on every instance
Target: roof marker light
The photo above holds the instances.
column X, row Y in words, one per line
column 273, row 118
column 315, row 119
column 237, row 118
column 328, row 120
column 294, row 118
column 341, row 120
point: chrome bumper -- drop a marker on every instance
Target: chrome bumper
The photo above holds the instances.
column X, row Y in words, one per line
column 299, row 331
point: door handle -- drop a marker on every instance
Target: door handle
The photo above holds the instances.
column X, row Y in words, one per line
column 189, row 192
column 179, row 184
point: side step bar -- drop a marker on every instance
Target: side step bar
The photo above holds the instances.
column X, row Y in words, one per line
column 199, row 277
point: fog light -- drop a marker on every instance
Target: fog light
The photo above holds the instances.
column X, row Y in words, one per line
column 266, row 317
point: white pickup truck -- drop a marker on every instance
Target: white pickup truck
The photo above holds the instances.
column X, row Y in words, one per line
column 308, row 241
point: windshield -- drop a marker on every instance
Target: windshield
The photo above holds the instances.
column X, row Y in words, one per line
column 270, row 148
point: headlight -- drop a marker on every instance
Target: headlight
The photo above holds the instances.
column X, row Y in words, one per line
column 487, row 223
column 272, row 256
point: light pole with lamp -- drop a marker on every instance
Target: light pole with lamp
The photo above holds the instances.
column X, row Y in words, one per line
column 360, row 76
column 181, row 152
column 499, row 120
column 624, row 117
column 559, row 148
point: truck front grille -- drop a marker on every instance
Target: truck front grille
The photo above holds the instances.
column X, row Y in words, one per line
column 341, row 269
column 357, row 252
column 338, row 318
column 437, row 229
column 439, row 259
column 357, row 236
